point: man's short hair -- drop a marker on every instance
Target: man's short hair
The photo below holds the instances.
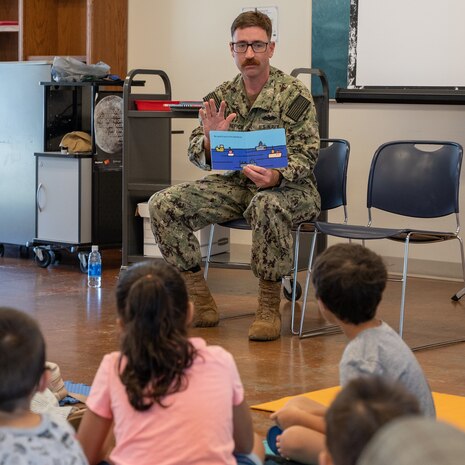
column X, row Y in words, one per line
column 360, row 410
column 350, row 279
column 22, row 357
column 252, row 19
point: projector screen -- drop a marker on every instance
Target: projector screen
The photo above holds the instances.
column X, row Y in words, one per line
column 407, row 43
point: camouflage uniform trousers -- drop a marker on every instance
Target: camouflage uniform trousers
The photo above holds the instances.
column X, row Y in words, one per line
column 181, row 209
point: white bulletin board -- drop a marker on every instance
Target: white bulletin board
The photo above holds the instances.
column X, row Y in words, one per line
column 418, row 43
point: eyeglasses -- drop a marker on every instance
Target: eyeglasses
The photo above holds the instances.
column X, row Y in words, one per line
column 257, row 47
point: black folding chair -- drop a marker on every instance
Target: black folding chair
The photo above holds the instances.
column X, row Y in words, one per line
column 416, row 179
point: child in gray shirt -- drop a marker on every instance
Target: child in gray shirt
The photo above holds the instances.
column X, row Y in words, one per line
column 349, row 281
column 381, row 351
column 27, row 438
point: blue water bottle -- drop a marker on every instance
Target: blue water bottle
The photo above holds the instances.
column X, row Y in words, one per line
column 94, row 268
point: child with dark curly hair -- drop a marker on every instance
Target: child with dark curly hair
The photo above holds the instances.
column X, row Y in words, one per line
column 349, row 281
column 358, row 412
column 172, row 399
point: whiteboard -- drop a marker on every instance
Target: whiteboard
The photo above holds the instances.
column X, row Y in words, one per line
column 418, row 43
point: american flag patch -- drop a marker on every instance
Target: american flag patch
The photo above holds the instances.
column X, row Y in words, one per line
column 298, row 107
column 213, row 96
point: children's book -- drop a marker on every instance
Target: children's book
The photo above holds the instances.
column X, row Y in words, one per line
column 232, row 150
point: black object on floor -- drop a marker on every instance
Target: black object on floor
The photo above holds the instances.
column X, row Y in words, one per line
column 278, row 460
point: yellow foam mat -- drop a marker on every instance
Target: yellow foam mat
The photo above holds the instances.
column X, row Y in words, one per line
column 449, row 408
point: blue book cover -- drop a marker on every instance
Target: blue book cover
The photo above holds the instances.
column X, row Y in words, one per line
column 232, row 150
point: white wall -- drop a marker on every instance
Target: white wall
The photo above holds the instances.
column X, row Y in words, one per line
column 189, row 40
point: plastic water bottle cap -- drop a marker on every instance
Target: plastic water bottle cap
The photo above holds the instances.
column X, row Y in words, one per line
column 95, row 248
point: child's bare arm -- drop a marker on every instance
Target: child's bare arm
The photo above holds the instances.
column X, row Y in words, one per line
column 301, row 411
column 292, row 416
column 242, row 429
column 93, row 435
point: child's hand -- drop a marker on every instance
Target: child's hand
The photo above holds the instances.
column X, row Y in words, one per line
column 285, row 417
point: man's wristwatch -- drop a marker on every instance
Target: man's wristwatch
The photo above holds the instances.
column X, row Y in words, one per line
column 280, row 177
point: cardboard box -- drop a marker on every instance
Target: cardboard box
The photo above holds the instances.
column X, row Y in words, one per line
column 220, row 238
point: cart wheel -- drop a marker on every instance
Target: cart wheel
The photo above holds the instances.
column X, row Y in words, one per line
column 56, row 257
column 24, row 251
column 83, row 261
column 2, row 250
column 43, row 257
column 298, row 291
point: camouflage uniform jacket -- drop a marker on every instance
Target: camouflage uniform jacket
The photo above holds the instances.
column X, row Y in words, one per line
column 283, row 102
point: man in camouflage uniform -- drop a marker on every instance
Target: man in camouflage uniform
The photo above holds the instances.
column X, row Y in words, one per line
column 271, row 200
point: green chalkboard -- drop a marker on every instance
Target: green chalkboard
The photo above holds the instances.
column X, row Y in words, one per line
column 330, row 42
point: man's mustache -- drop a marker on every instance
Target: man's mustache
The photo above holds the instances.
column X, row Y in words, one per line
column 250, row 61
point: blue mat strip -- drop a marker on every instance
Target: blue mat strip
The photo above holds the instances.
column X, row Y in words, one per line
column 74, row 388
column 77, row 388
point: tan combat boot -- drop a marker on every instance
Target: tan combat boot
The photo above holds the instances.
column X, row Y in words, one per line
column 205, row 310
column 267, row 323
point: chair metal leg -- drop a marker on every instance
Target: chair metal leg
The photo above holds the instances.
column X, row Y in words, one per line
column 455, row 297
column 404, row 286
column 294, row 283
column 327, row 330
column 432, row 345
column 435, row 345
column 458, row 295
column 323, row 330
column 209, row 251
column 307, row 282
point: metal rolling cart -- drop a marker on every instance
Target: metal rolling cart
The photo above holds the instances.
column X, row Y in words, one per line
column 146, row 166
column 78, row 196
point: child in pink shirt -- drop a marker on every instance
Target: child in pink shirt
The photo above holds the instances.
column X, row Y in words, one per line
column 171, row 399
